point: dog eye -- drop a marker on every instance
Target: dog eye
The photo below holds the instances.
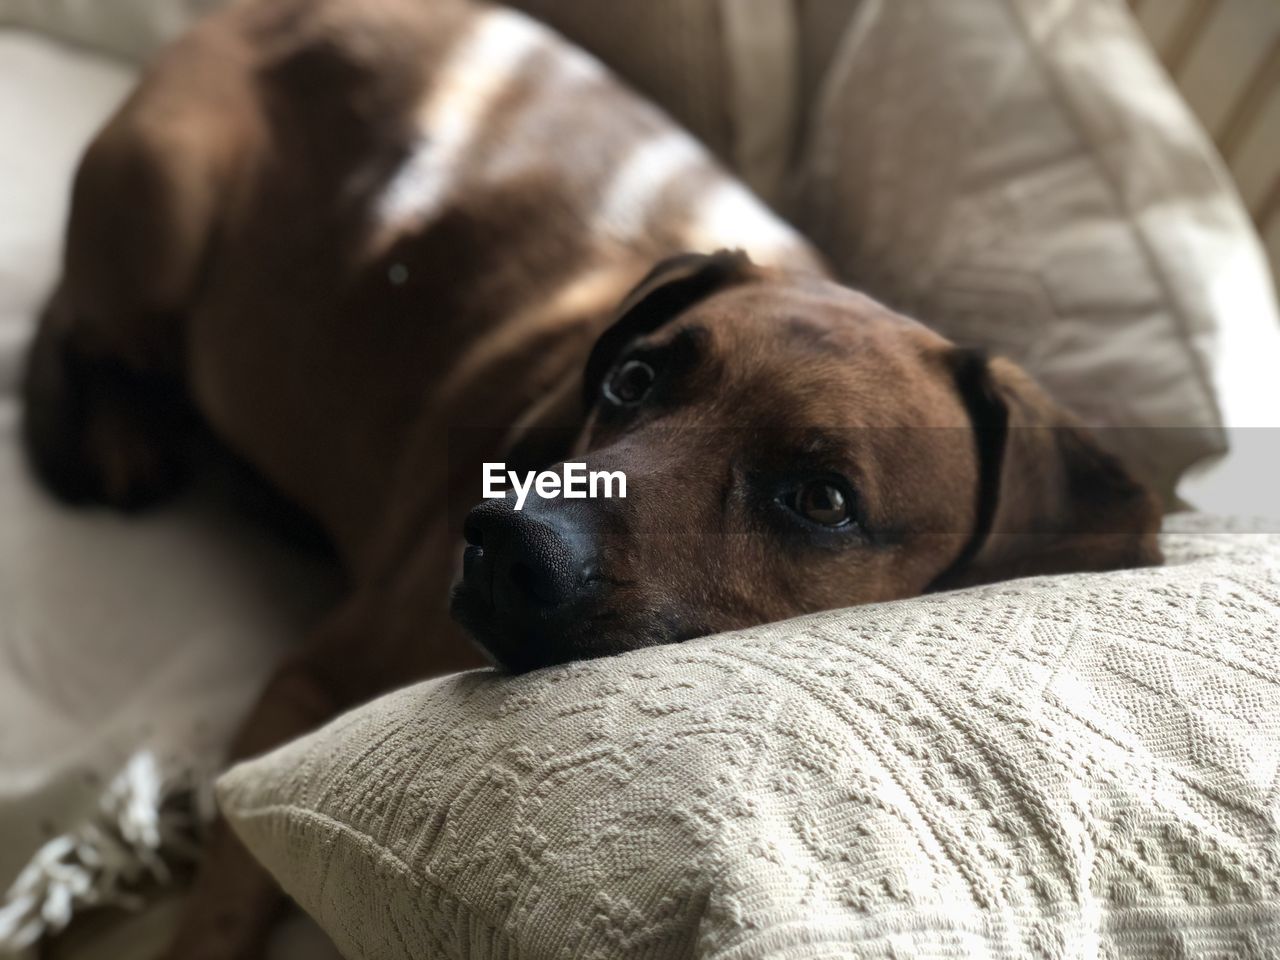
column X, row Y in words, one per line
column 630, row 383
column 822, row 502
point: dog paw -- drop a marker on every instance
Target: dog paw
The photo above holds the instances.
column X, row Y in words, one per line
column 97, row 433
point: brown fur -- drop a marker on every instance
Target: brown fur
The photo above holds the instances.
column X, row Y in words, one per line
column 219, row 266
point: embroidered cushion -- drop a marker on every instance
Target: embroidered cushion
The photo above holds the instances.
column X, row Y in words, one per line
column 1053, row 768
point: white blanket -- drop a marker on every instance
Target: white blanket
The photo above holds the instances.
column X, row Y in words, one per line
column 117, row 635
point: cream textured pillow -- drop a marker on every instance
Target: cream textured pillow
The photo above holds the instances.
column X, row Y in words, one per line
column 1051, row 768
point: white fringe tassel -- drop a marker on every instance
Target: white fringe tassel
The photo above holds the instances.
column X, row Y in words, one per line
column 147, row 823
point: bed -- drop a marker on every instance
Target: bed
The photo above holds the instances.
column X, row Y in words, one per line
column 1089, row 231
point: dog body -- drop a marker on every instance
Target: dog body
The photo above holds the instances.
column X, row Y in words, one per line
column 399, row 204
column 375, row 245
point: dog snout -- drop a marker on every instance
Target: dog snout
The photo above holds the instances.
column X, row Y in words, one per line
column 531, row 566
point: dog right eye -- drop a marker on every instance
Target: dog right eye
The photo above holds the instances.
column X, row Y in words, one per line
column 823, row 503
column 629, row 383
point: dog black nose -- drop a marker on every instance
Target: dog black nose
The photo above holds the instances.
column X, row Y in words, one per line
column 529, row 564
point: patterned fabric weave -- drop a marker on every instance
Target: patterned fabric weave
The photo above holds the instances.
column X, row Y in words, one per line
column 1057, row 767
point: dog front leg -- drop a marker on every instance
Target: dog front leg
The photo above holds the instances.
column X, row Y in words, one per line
column 234, row 902
column 379, row 640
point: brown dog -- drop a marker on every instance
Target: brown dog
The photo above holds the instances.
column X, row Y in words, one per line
column 375, row 245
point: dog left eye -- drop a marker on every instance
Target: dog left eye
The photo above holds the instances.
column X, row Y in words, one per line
column 630, row 383
column 822, row 502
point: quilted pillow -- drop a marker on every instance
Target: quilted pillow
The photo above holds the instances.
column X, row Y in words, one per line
column 1052, row 768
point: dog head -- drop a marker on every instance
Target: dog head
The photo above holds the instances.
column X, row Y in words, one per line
column 789, row 446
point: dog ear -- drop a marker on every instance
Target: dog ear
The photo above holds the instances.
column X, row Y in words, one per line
column 670, row 288
column 1050, row 500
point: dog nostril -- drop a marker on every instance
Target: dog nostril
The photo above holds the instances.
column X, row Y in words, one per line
column 473, row 532
column 525, row 579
